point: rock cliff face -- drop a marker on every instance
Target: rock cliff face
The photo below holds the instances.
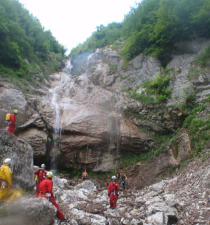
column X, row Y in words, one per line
column 81, row 118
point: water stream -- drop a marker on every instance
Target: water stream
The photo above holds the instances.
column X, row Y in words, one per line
column 65, row 77
column 117, row 123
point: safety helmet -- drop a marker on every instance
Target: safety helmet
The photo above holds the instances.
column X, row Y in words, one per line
column 43, row 165
column 49, row 174
column 113, row 178
column 15, row 111
column 7, row 161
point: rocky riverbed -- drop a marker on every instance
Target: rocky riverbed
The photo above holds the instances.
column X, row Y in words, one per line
column 181, row 199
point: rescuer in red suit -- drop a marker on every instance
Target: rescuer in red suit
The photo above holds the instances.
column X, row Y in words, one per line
column 46, row 187
column 12, row 122
column 113, row 192
column 41, row 175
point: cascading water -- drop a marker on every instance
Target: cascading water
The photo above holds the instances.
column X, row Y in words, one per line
column 117, row 123
column 86, row 74
column 65, row 77
column 115, row 129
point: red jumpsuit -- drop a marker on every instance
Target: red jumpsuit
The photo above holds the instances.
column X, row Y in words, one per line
column 113, row 193
column 41, row 176
column 12, row 123
column 46, row 186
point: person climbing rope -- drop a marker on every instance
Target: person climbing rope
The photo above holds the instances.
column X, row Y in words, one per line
column 12, row 122
column 40, row 176
column 6, row 194
column 113, row 192
column 124, row 179
column 84, row 176
column 45, row 191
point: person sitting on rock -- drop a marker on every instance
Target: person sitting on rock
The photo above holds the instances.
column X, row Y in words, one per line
column 113, row 192
column 40, row 176
column 12, row 122
column 45, row 188
column 84, row 176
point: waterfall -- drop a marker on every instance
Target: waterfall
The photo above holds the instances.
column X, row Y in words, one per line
column 117, row 122
column 56, row 92
column 115, row 129
column 88, row 62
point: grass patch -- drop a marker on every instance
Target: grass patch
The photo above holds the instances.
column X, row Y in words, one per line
column 136, row 115
column 190, row 96
column 184, row 164
column 156, row 91
column 122, row 77
column 128, row 89
column 203, row 59
column 132, row 159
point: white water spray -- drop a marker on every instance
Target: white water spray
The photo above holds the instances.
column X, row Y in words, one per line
column 56, row 92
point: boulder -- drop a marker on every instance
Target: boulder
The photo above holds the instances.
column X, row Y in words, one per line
column 37, row 139
column 21, row 154
column 34, row 211
column 12, row 98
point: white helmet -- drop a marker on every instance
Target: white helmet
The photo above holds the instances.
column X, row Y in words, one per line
column 113, row 178
column 50, row 174
column 7, row 161
column 43, row 165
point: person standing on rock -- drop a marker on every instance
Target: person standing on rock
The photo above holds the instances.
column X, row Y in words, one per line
column 113, row 192
column 45, row 191
column 12, row 122
column 6, row 193
column 124, row 179
column 41, row 175
column 84, row 176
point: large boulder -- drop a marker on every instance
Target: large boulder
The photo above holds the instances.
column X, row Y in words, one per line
column 37, row 139
column 21, row 154
column 11, row 97
column 34, row 211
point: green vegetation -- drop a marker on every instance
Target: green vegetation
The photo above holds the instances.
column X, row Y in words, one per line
column 25, row 47
column 203, row 59
column 190, row 96
column 153, row 27
column 164, row 140
column 122, row 77
column 156, row 91
column 201, row 64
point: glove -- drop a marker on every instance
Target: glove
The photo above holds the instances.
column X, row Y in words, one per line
column 108, row 194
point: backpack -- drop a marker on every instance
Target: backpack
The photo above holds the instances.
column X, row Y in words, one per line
column 8, row 117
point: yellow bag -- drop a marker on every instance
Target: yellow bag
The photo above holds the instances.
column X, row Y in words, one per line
column 8, row 117
column 36, row 177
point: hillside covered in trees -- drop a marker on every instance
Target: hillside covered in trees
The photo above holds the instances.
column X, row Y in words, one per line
column 25, row 47
column 153, row 27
